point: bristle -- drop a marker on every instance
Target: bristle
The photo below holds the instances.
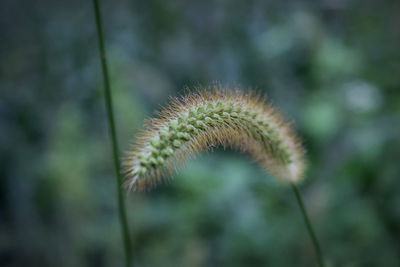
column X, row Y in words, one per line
column 209, row 117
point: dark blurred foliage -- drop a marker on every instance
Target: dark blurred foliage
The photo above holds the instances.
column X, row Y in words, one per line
column 332, row 66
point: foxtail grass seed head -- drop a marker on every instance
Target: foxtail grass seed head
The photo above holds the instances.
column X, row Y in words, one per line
column 206, row 118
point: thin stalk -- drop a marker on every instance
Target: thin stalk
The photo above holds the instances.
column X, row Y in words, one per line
column 308, row 225
column 111, row 123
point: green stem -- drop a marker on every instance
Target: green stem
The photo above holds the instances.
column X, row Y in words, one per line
column 110, row 116
column 308, row 224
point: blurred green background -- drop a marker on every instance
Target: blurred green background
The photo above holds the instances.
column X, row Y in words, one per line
column 332, row 66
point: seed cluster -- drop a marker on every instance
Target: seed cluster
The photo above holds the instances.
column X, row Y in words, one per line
column 224, row 117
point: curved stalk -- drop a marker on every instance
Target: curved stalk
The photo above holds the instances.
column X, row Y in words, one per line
column 308, row 224
column 111, row 123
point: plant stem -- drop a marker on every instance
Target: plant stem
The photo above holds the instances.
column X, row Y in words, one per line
column 308, row 224
column 111, row 123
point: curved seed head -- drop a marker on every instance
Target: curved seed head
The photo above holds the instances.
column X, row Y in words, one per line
column 218, row 116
